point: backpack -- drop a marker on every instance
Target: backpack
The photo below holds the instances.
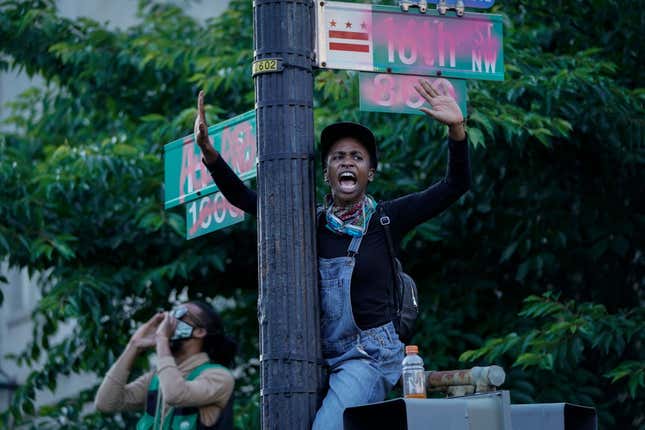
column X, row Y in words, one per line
column 406, row 297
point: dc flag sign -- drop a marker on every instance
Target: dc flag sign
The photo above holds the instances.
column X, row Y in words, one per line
column 384, row 39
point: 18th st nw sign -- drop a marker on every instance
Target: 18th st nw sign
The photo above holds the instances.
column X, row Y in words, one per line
column 384, row 39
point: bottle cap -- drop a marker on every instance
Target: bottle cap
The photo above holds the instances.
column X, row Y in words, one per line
column 411, row 349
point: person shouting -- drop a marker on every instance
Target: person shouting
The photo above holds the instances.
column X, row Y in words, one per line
column 360, row 343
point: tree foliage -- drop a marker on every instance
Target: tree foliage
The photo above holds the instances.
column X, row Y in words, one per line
column 539, row 268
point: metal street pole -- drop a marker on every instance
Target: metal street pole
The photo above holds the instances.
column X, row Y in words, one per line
column 288, row 295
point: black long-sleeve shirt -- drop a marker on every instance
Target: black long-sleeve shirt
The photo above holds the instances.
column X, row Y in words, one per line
column 372, row 279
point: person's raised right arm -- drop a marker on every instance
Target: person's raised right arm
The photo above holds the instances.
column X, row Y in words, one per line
column 238, row 194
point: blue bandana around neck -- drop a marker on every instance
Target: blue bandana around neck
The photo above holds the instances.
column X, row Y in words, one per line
column 356, row 224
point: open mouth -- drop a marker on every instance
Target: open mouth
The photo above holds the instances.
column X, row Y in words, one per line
column 347, row 181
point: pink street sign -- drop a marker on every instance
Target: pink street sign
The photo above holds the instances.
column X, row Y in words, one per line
column 381, row 92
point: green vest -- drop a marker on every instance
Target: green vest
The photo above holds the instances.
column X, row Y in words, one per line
column 177, row 418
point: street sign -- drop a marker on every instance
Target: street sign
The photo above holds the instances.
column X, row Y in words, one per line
column 375, row 38
column 210, row 213
column 380, row 92
column 186, row 177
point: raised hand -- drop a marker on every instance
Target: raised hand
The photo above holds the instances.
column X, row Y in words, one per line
column 444, row 109
column 167, row 327
column 201, row 132
column 145, row 336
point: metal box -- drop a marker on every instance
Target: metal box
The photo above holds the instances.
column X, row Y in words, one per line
column 489, row 411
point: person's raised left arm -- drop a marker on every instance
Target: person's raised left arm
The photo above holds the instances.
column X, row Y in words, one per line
column 413, row 209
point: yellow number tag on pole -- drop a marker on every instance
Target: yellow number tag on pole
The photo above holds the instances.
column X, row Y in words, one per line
column 267, row 65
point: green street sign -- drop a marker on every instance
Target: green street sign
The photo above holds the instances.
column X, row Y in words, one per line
column 185, row 176
column 380, row 92
column 376, row 38
column 210, row 213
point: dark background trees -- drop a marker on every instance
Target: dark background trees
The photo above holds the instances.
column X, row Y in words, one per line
column 539, row 268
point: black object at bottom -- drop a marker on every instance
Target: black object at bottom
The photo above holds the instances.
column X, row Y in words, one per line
column 416, row 414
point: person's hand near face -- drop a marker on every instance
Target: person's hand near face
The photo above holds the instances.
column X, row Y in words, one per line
column 145, row 336
column 163, row 334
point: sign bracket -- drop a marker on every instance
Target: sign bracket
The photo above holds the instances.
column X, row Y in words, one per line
column 442, row 7
column 421, row 4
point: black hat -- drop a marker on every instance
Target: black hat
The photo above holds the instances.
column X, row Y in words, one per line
column 334, row 132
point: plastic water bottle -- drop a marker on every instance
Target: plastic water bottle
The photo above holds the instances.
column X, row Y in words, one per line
column 414, row 377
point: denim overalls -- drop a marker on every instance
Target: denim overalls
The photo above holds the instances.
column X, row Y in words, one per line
column 363, row 364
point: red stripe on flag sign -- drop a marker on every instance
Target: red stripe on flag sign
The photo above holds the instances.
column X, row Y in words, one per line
column 335, row 46
column 348, row 35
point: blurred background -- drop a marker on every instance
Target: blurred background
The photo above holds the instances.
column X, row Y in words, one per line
column 539, row 268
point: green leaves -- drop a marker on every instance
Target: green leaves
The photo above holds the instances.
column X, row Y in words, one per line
column 569, row 336
column 81, row 182
column 536, row 307
column 508, row 252
column 555, row 206
column 544, row 361
column 476, row 137
column 634, row 371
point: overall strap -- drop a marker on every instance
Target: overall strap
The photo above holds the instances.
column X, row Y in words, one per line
column 396, row 294
column 352, row 249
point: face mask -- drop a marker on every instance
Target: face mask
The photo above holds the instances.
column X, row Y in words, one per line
column 183, row 330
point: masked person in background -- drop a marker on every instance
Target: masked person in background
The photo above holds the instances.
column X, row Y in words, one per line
column 191, row 387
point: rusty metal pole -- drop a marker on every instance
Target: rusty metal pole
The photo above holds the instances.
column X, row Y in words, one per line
column 475, row 380
column 288, row 295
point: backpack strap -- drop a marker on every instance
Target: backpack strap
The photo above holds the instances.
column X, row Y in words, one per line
column 396, row 294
